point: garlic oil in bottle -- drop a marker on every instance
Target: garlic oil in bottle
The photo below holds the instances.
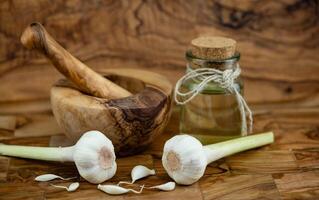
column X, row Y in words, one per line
column 213, row 114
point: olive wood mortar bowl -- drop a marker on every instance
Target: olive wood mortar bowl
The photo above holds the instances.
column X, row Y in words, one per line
column 131, row 123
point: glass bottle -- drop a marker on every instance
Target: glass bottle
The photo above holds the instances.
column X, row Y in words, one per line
column 213, row 114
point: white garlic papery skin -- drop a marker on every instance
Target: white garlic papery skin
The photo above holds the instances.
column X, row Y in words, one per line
column 117, row 190
column 138, row 172
column 49, row 177
column 94, row 157
column 141, row 171
column 184, row 159
column 72, row 187
column 169, row 186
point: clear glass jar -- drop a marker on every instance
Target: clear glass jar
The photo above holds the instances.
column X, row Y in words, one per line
column 212, row 115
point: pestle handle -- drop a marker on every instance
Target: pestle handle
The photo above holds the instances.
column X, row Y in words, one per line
column 36, row 37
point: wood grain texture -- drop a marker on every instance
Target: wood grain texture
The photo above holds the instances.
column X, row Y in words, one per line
column 307, row 158
column 131, row 123
column 262, row 162
column 278, row 42
column 7, row 122
column 4, row 165
column 292, row 186
column 249, row 187
column 287, row 169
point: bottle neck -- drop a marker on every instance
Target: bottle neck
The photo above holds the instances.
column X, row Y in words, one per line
column 196, row 62
column 196, row 65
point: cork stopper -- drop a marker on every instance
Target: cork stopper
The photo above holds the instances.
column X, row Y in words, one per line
column 213, row 48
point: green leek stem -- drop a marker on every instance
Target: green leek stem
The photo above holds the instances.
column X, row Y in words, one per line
column 60, row 154
column 230, row 147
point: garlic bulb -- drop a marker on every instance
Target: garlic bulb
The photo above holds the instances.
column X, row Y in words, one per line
column 116, row 190
column 185, row 158
column 139, row 172
column 93, row 155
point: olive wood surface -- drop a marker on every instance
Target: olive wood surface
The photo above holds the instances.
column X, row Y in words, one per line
column 131, row 123
column 287, row 169
column 278, row 41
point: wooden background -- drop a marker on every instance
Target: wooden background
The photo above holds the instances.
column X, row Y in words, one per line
column 279, row 43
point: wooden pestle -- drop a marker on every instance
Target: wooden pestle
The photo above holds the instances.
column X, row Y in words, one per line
column 36, row 37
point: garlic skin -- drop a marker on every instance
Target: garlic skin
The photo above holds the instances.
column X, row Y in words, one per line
column 74, row 186
column 169, row 186
column 71, row 188
column 138, row 172
column 94, row 157
column 184, row 159
column 49, row 177
column 117, row 190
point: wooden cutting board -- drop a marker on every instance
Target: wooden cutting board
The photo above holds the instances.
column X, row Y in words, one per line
column 288, row 169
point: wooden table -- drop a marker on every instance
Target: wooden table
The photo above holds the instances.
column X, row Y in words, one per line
column 278, row 41
column 287, row 169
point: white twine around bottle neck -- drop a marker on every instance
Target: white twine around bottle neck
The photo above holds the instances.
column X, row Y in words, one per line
column 225, row 79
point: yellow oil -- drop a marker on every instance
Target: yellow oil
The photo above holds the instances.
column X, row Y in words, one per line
column 211, row 116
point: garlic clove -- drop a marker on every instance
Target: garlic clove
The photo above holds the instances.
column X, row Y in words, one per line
column 169, row 186
column 49, row 177
column 112, row 189
column 72, row 187
column 139, row 172
column 117, row 190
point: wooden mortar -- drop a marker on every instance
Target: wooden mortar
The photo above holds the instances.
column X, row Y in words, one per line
column 131, row 123
column 89, row 101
